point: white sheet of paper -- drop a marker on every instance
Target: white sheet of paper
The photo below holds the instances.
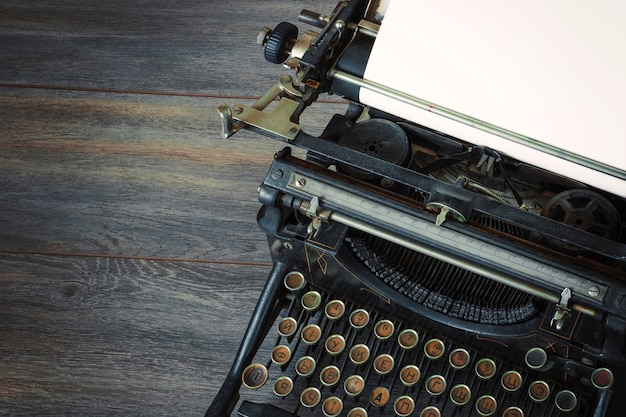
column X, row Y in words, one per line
column 552, row 71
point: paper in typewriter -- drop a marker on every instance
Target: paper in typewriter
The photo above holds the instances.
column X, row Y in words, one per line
column 552, row 71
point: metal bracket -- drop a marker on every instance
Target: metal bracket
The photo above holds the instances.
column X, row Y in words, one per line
column 277, row 121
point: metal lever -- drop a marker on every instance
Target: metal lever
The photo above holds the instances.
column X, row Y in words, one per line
column 562, row 309
column 278, row 121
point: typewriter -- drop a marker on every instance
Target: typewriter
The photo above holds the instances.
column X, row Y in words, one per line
column 435, row 259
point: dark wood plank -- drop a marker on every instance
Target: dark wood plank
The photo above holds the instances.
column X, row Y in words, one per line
column 112, row 336
column 130, row 175
column 130, row 259
column 195, row 46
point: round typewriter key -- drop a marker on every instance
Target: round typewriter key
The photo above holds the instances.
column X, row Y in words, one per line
column 354, row 385
column 565, row 400
column 535, row 358
column 460, row 394
column 330, row 375
column 332, row 406
column 383, row 364
column 335, row 309
column 311, row 300
column 513, row 412
column 254, row 376
column 357, row 412
column 384, row 329
column 283, row 386
column 379, row 396
column 294, row 281
column 485, row 368
column 335, row 344
column 486, row 405
column 408, row 338
column 305, row 366
column 539, row 391
column 287, row 326
column 430, row 411
column 459, row 358
column 404, row 406
column 359, row 318
column 281, row 354
column 435, row 385
column 511, row 381
column 310, row 397
column 311, row 334
column 410, row 375
column 434, row 349
column 359, row 354
column 602, row 378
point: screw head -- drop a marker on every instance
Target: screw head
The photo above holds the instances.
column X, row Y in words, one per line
column 594, row 291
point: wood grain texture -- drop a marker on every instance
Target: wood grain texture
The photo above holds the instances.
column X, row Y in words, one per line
column 192, row 46
column 106, row 336
column 130, row 258
column 133, row 175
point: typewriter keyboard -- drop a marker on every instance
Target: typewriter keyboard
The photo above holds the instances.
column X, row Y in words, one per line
column 330, row 357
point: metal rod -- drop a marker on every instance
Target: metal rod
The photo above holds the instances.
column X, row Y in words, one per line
column 473, row 267
column 478, row 124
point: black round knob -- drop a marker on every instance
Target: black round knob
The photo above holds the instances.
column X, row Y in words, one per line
column 279, row 42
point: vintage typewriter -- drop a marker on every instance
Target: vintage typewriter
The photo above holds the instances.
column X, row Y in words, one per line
column 418, row 271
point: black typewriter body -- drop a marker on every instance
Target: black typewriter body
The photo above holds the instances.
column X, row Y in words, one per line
column 414, row 273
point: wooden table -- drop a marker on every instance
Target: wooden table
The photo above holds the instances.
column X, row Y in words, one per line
column 130, row 259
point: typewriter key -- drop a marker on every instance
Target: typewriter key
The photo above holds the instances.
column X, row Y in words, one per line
column 460, row 394
column 332, row 406
column 383, row 364
column 357, row 412
column 281, row 354
column 330, row 375
column 335, row 344
column 334, row 309
column 287, row 326
column 565, row 400
column 305, row 366
column 511, row 381
column 294, row 281
column 404, row 406
column 434, row 349
column 430, row 411
column 408, row 338
column 283, row 386
column 379, row 396
column 486, row 405
column 311, row 334
column 485, row 368
column 535, row 358
column 354, row 385
column 359, row 354
column 539, row 391
column 311, row 300
column 410, row 375
column 459, row 358
column 254, row 376
column 435, row 385
column 602, row 378
column 310, row 397
column 384, row 329
column 359, row 318
column 513, row 412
